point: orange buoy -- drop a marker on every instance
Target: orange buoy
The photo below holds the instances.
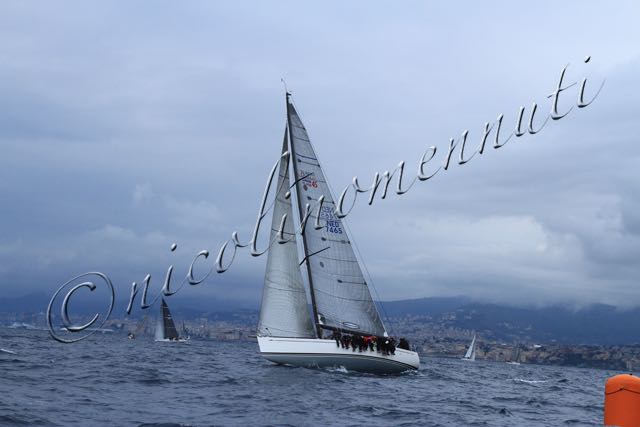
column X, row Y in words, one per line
column 622, row 401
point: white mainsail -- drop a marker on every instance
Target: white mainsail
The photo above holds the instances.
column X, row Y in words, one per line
column 284, row 311
column 340, row 294
column 159, row 335
column 471, row 351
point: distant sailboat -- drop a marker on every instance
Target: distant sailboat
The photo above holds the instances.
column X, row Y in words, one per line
column 140, row 329
column 340, row 297
column 184, row 330
column 471, row 351
column 165, row 327
column 515, row 356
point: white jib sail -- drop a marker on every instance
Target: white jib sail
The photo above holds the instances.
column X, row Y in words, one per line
column 342, row 297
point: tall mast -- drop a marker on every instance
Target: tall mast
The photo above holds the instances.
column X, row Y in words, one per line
column 300, row 216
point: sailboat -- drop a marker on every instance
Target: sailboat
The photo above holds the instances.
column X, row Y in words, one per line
column 471, row 351
column 340, row 299
column 515, row 356
column 140, row 329
column 184, row 330
column 165, row 327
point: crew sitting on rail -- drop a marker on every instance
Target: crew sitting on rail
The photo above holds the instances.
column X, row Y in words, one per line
column 404, row 344
column 337, row 336
column 385, row 345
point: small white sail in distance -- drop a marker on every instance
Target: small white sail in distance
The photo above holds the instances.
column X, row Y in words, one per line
column 471, row 351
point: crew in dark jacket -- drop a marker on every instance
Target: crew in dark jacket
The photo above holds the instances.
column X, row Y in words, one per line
column 404, row 344
column 336, row 336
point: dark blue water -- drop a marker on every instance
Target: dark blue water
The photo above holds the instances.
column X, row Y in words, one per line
column 109, row 380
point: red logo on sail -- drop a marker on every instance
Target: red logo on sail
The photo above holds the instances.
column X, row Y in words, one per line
column 308, row 179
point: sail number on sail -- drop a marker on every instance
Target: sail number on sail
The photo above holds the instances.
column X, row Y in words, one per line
column 332, row 223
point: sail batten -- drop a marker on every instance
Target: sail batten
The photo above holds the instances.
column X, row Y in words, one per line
column 283, row 311
column 340, row 292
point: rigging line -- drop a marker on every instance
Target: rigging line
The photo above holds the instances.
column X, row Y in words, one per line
column 335, row 259
column 299, row 179
column 370, row 281
column 303, row 240
column 310, row 255
column 388, row 319
column 339, row 297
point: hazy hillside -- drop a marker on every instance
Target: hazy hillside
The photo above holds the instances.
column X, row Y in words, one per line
column 597, row 324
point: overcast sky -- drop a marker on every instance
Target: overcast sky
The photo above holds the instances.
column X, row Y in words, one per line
column 128, row 126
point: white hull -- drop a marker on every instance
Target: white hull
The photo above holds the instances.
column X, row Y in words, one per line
column 314, row 353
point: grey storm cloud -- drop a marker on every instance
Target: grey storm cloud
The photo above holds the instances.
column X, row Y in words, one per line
column 127, row 127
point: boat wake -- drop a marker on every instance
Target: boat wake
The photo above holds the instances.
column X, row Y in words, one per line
column 339, row 369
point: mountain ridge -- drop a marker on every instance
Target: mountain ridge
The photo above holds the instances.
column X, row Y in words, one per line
column 597, row 324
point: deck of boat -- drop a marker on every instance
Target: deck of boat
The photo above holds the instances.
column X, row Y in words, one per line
column 310, row 352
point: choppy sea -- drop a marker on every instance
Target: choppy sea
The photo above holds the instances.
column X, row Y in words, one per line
column 108, row 380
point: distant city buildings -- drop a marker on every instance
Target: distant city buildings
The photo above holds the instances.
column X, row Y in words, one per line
column 434, row 336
